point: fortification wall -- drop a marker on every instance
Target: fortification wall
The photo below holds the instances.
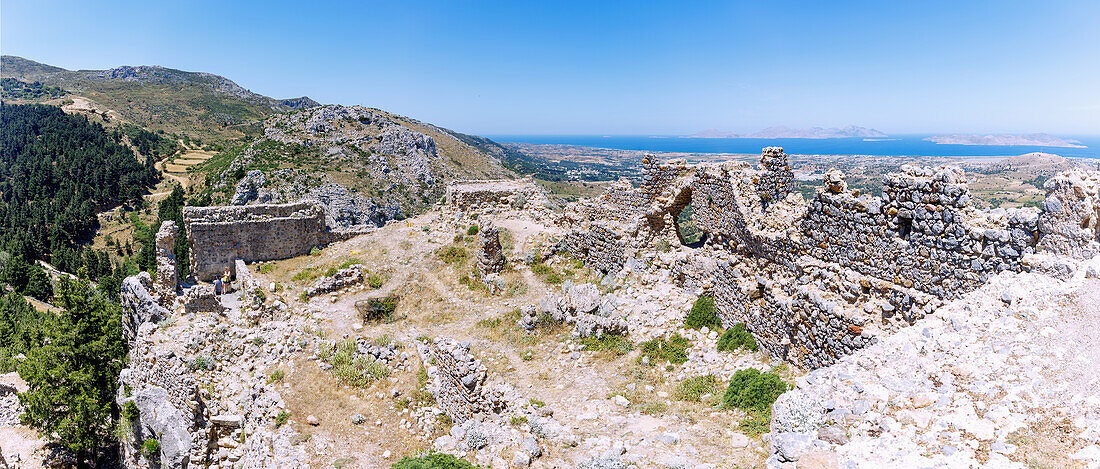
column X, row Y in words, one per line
column 221, row 235
column 817, row 280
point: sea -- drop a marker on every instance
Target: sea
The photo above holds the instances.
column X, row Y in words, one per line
column 900, row 145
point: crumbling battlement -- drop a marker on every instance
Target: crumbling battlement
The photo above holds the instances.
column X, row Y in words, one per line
column 221, row 235
column 817, row 280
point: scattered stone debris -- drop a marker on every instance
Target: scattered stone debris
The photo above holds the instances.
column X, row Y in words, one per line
column 591, row 314
column 343, row 278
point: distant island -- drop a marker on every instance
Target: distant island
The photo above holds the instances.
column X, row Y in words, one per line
column 1039, row 140
column 781, row 131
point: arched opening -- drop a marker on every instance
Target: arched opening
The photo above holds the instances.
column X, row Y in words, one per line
column 683, row 220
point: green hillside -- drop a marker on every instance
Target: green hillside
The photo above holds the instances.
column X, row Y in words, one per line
column 200, row 105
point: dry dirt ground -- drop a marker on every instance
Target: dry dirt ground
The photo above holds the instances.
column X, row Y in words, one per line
column 578, row 386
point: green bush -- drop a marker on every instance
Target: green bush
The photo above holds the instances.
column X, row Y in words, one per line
column 541, row 269
column 692, row 389
column 750, row 389
column 703, row 314
column 374, row 281
column 151, row 448
column 315, row 251
column 267, row 268
column 672, row 349
column 202, row 363
column 281, row 418
column 454, row 255
column 433, row 460
column 374, row 309
column 616, row 345
column 276, row 375
column 737, row 337
column 129, row 411
column 554, row 278
column 472, row 230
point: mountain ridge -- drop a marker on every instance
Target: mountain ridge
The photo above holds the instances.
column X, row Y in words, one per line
column 161, row 98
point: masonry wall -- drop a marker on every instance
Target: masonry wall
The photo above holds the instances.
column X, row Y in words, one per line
column 220, row 235
column 817, row 280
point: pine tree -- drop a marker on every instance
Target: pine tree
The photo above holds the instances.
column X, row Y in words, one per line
column 72, row 376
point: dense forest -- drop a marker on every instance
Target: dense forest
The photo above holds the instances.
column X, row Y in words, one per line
column 16, row 89
column 56, row 171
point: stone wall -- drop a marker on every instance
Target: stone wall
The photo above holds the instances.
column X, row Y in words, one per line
column 167, row 277
column 456, row 378
column 1070, row 221
column 816, row 280
column 496, row 195
column 169, row 407
column 220, row 235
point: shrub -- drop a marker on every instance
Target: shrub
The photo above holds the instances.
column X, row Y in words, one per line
column 750, row 389
column 373, row 309
column 472, row 230
column 454, row 255
column 308, row 273
column 281, row 418
column 350, row 262
column 275, row 376
column 672, row 349
column 519, row 419
column 129, row 411
column 433, row 460
column 692, row 389
column 541, row 269
column 201, row 363
column 616, row 345
column 331, row 271
column 374, row 281
column 315, row 251
column 703, row 314
column 266, row 268
column 737, row 337
column 553, row 278
column 151, row 448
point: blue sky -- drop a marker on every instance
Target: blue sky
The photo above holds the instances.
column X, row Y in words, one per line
column 614, row 67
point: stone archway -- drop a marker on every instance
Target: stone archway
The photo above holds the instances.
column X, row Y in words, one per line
column 682, row 213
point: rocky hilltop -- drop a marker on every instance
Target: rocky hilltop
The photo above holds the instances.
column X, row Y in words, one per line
column 364, row 165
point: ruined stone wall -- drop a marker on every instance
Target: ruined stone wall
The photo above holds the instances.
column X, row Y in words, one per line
column 1070, row 221
column 598, row 246
column 167, row 277
column 776, row 179
column 220, row 235
column 815, row 281
column 456, row 378
column 496, row 194
column 921, row 234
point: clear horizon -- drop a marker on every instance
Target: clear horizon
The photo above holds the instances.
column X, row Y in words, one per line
column 501, row 68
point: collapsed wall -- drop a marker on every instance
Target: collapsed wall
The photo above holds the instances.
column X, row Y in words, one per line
column 817, row 280
column 457, row 379
column 221, row 235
